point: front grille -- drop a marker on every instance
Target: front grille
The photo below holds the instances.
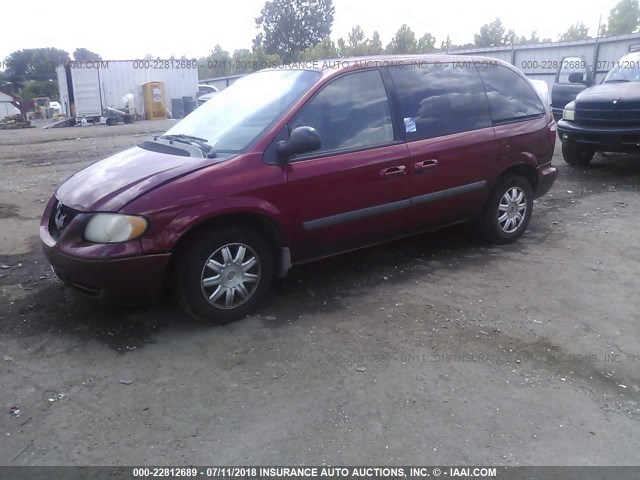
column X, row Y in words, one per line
column 624, row 112
column 61, row 217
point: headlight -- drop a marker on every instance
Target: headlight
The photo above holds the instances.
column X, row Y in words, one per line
column 569, row 112
column 114, row 227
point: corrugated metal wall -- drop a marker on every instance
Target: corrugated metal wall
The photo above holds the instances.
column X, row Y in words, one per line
column 540, row 61
column 537, row 61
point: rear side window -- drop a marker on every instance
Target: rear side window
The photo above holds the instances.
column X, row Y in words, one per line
column 440, row 99
column 352, row 112
column 511, row 98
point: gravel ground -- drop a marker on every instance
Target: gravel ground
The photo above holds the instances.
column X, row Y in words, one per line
column 438, row 349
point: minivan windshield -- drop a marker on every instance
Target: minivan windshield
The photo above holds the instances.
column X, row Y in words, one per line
column 627, row 69
column 236, row 116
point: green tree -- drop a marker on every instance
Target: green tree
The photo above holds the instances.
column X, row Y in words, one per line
column 491, row 34
column 357, row 45
column 291, row 26
column 374, row 46
column 324, row 50
column 39, row 88
column 403, row 42
column 4, row 82
column 356, row 37
column 510, row 38
column 623, row 18
column 263, row 60
column 427, row 43
column 217, row 64
column 446, row 45
column 343, row 50
column 576, row 32
column 533, row 39
column 84, row 55
column 34, row 64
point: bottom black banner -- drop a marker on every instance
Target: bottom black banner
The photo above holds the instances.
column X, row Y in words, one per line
column 300, row 472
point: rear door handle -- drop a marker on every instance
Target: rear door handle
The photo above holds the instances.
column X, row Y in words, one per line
column 425, row 165
column 390, row 172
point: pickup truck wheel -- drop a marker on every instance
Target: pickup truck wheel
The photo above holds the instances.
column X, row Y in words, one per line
column 508, row 210
column 223, row 274
column 576, row 156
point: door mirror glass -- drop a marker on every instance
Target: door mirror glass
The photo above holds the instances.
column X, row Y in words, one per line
column 574, row 70
column 302, row 140
column 576, row 77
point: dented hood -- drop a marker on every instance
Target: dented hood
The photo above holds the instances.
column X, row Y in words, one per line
column 112, row 183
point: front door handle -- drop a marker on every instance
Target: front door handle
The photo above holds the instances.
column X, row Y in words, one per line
column 391, row 172
column 425, row 165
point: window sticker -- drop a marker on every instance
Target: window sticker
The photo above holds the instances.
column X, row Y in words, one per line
column 409, row 125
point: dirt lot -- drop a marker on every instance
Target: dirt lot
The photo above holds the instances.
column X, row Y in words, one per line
column 435, row 350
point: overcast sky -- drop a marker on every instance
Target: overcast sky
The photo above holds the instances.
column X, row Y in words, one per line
column 118, row 29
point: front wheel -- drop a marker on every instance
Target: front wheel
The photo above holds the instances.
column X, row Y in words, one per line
column 508, row 210
column 223, row 275
column 576, row 156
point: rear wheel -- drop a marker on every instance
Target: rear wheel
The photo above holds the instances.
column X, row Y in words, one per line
column 223, row 274
column 508, row 210
column 575, row 156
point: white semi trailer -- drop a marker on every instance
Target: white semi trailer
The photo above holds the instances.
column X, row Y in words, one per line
column 94, row 89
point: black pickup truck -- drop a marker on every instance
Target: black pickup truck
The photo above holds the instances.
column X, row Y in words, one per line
column 597, row 118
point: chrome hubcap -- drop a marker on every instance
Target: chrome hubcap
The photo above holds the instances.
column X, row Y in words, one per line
column 230, row 276
column 512, row 210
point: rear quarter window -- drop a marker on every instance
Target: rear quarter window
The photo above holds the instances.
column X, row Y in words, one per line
column 511, row 98
column 440, row 99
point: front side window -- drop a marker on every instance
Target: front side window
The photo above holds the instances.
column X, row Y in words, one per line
column 440, row 99
column 511, row 97
column 352, row 112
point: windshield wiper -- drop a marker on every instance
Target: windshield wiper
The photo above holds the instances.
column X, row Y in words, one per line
column 203, row 143
column 616, row 80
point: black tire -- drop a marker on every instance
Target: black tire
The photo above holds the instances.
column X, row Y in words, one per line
column 576, row 156
column 489, row 225
column 191, row 271
column 111, row 122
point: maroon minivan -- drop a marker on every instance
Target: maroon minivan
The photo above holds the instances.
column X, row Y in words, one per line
column 291, row 165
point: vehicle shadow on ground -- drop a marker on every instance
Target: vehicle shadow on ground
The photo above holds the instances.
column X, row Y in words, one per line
column 326, row 286
column 55, row 309
column 607, row 170
column 318, row 287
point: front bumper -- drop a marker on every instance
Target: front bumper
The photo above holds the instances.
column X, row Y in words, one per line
column 123, row 278
column 600, row 138
column 547, row 175
column 112, row 270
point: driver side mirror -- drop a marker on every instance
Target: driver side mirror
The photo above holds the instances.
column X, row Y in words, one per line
column 302, row 140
